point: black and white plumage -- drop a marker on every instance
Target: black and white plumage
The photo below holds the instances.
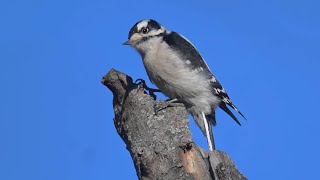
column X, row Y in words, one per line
column 175, row 66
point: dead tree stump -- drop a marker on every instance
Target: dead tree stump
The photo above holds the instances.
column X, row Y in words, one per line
column 160, row 143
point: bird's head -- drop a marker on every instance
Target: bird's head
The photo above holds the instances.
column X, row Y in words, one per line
column 142, row 31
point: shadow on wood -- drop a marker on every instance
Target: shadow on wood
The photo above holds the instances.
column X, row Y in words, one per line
column 160, row 143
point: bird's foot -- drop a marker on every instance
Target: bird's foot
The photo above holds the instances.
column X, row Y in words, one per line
column 168, row 103
column 142, row 83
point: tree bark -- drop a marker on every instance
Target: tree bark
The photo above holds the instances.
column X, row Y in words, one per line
column 160, row 143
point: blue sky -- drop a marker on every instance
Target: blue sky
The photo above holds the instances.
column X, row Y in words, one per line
column 56, row 118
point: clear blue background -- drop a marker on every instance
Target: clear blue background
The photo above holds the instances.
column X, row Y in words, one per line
column 56, row 118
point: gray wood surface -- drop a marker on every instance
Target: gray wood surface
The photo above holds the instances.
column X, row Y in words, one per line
column 160, row 144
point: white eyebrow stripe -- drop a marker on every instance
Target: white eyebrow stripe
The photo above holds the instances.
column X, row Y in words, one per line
column 142, row 24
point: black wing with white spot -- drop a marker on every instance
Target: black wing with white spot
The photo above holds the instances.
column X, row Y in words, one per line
column 186, row 49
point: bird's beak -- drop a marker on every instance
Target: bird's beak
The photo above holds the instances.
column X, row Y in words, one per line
column 127, row 43
column 133, row 39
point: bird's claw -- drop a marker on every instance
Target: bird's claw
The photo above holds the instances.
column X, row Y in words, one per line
column 140, row 81
column 151, row 90
column 166, row 104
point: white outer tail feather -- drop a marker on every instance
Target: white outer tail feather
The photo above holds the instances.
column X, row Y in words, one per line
column 206, row 126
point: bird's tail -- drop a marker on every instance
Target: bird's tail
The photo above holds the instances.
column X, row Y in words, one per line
column 207, row 121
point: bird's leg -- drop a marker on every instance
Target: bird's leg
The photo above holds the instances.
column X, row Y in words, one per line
column 151, row 90
column 175, row 100
column 206, row 126
column 169, row 103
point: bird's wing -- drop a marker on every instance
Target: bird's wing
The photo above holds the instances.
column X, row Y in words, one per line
column 188, row 51
column 191, row 54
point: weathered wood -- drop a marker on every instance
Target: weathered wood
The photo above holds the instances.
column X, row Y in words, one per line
column 160, row 143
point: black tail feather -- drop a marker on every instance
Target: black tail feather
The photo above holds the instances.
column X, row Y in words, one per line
column 225, row 109
column 212, row 118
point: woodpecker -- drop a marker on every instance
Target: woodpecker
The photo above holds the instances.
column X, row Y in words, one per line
column 175, row 66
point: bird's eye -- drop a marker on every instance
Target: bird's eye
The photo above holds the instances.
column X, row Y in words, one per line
column 145, row 30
